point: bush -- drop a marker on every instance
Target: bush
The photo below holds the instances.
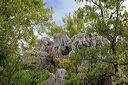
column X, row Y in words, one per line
column 29, row 77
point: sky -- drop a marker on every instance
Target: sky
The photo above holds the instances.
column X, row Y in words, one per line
column 64, row 7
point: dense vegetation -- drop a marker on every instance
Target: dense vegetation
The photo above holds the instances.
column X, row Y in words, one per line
column 106, row 18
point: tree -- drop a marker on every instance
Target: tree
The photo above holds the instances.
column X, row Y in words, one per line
column 52, row 29
column 17, row 18
column 74, row 24
column 106, row 18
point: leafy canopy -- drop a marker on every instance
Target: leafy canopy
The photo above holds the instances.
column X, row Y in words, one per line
column 17, row 21
column 106, row 18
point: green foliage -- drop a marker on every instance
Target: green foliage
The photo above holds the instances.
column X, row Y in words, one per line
column 74, row 24
column 52, row 29
column 17, row 18
column 107, row 19
column 72, row 79
column 29, row 77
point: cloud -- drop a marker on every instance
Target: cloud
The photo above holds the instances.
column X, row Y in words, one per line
column 62, row 8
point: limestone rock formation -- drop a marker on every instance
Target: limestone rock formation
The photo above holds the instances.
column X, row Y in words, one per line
column 60, row 44
column 51, row 80
column 46, row 49
column 57, row 78
column 86, row 40
column 42, row 51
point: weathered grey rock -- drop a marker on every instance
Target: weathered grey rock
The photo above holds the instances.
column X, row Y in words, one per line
column 60, row 74
column 46, row 48
column 86, row 40
column 57, row 78
column 51, row 80
column 60, row 44
column 61, row 39
column 60, row 81
column 42, row 51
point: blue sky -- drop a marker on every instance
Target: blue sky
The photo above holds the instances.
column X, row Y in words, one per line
column 64, row 7
column 61, row 8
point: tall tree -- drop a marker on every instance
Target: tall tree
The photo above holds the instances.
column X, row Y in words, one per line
column 74, row 24
column 109, row 19
column 17, row 18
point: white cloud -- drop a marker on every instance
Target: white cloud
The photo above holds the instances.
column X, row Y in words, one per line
column 64, row 7
column 126, row 4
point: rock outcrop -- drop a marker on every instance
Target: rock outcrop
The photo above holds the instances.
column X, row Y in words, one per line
column 86, row 40
column 46, row 49
column 57, row 78
column 51, row 80
column 43, row 51
column 61, row 46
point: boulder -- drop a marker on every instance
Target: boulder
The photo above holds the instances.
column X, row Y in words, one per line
column 86, row 40
column 60, row 47
column 51, row 80
column 57, row 78
column 42, row 51
column 60, row 74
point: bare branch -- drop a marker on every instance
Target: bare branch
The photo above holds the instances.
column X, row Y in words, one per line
column 111, row 15
column 100, row 7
